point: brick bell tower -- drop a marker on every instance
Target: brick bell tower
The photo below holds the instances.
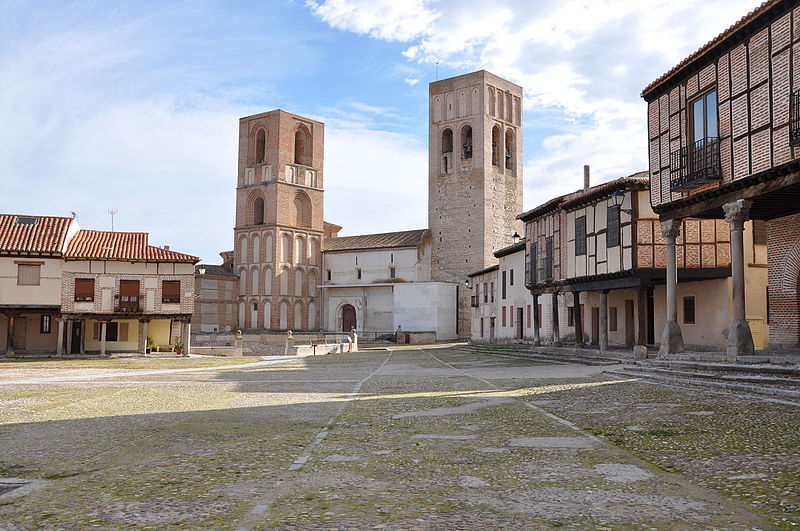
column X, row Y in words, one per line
column 474, row 176
column 278, row 232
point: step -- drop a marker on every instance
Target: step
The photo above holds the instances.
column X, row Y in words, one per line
column 746, row 378
column 761, row 368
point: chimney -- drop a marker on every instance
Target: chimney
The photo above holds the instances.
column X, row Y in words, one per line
column 585, row 177
column 166, row 247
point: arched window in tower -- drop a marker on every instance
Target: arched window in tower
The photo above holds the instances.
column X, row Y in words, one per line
column 300, row 248
column 243, row 282
column 284, row 281
column 509, row 151
column 261, row 146
column 258, row 211
column 267, row 281
column 298, row 316
column 500, row 109
column 447, row 150
column 254, row 281
column 302, row 208
column 302, row 146
column 312, row 284
column 466, row 142
column 491, row 101
column 509, row 108
column 495, row 146
column 286, row 248
column 298, row 283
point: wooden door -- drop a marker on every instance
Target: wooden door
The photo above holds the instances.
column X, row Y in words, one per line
column 76, row 337
column 629, row 324
column 520, row 323
column 651, row 322
column 491, row 328
column 595, row 325
column 348, row 318
column 20, row 333
column 129, row 295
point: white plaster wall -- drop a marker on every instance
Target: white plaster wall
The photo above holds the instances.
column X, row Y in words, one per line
column 517, row 296
column 48, row 292
column 375, row 266
column 426, row 306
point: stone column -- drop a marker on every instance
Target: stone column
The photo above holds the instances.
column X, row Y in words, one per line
column 144, row 336
column 672, row 338
column 82, row 324
column 576, row 309
column 604, row 320
column 740, row 339
column 556, row 336
column 70, row 324
column 536, row 338
column 640, row 346
column 186, row 330
column 60, row 338
column 10, row 336
column 103, row 338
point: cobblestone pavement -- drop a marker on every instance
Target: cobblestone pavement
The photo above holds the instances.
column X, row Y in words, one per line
column 413, row 439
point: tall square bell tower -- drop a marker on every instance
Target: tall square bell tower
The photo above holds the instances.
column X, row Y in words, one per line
column 474, row 176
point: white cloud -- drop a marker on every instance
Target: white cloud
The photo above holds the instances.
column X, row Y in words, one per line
column 411, row 81
column 387, row 20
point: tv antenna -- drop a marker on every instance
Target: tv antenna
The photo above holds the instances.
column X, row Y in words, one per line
column 112, row 211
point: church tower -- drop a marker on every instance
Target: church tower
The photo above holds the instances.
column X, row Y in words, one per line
column 474, row 176
column 278, row 232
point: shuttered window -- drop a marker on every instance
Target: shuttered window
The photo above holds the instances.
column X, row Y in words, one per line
column 28, row 274
column 84, row 289
column 171, row 291
column 580, row 236
column 612, row 226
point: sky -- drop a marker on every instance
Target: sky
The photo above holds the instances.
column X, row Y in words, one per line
column 134, row 105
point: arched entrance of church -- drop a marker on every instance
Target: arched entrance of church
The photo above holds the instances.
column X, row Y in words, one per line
column 348, row 318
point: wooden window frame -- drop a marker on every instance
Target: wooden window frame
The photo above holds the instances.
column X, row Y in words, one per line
column 582, row 239
column 21, row 265
column 690, row 114
column 165, row 296
column 503, row 286
column 83, row 295
column 45, row 324
column 693, row 312
column 617, row 232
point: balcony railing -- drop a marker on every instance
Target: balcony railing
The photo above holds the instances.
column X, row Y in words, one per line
column 695, row 165
column 473, row 301
column 794, row 120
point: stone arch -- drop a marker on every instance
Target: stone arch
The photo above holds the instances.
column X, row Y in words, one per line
column 347, row 317
column 491, row 101
column 254, row 213
column 437, row 109
column 267, row 315
column 500, row 107
column 300, row 249
column 791, row 270
column 314, row 253
column 286, row 247
column 466, row 141
column 283, row 316
column 509, row 108
column 284, row 281
column 302, row 209
column 298, row 283
column 241, row 315
column 510, row 151
column 261, row 146
column 447, row 140
column 268, row 244
column 298, row 315
column 496, row 145
column 302, row 145
column 243, row 281
column 243, row 257
column 449, row 106
column 253, row 305
column 258, row 211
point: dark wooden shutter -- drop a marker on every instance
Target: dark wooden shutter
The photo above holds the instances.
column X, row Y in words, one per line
column 96, row 331
column 84, row 289
column 123, row 332
column 171, row 291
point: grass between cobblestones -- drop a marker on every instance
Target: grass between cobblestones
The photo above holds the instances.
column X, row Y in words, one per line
column 191, row 362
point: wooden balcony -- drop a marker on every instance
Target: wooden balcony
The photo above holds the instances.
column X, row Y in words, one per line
column 695, row 165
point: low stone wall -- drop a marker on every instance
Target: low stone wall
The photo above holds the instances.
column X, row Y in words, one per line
column 416, row 338
column 272, row 343
column 234, row 351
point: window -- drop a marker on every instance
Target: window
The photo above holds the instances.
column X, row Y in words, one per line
column 495, row 145
column 491, row 291
column 329, row 275
column 258, row 211
column 688, row 310
column 529, row 316
column 704, row 117
column 112, row 331
column 447, row 141
column 482, row 333
column 84, row 289
column 533, row 264
column 509, row 152
column 261, row 140
column 129, row 295
column 612, row 319
column 503, row 286
column 511, row 277
column 548, row 258
column 580, row 236
column 612, row 226
column 392, row 272
column 503, row 313
column 29, row 274
column 466, row 143
column 485, row 293
column 44, row 324
column 358, row 274
column 171, row 290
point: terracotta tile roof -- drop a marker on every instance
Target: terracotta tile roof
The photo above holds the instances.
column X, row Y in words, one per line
column 710, row 45
column 640, row 179
column 484, row 271
column 407, row 238
column 128, row 246
column 544, row 208
column 20, row 234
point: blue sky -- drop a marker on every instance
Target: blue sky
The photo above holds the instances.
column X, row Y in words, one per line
column 135, row 105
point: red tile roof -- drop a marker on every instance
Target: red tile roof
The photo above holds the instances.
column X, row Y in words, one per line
column 127, row 246
column 710, row 45
column 40, row 235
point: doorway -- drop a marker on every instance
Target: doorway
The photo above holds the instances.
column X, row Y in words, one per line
column 629, row 323
column 20, row 333
column 491, row 329
column 348, row 318
column 520, row 323
column 76, row 337
column 595, row 325
column 651, row 325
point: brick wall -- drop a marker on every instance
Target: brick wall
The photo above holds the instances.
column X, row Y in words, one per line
column 783, row 251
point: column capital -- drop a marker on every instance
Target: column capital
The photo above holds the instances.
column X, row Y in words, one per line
column 671, row 228
column 738, row 211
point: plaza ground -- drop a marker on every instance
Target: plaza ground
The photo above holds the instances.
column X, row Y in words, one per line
column 419, row 438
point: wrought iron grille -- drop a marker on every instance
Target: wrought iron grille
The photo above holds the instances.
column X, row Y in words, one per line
column 794, row 120
column 694, row 165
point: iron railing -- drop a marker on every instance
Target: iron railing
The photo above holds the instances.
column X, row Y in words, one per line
column 694, row 165
column 794, row 120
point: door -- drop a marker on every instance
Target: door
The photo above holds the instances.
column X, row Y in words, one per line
column 491, row 329
column 595, row 325
column 76, row 337
column 129, row 296
column 348, row 318
column 20, row 333
column 629, row 326
column 520, row 323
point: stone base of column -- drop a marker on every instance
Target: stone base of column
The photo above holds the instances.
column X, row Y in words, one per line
column 740, row 340
column 671, row 339
column 639, row 352
column 9, row 354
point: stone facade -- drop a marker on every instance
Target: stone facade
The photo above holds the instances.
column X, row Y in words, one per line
column 474, row 176
column 783, row 247
column 279, row 226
